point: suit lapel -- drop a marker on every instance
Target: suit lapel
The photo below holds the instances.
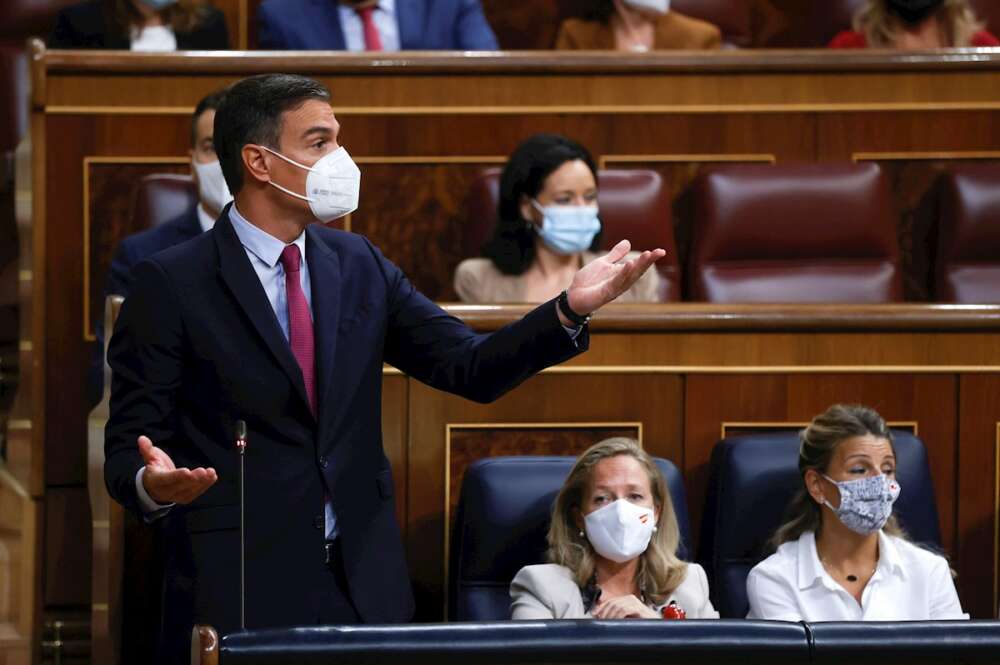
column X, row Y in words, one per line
column 328, row 14
column 325, row 284
column 237, row 273
column 410, row 18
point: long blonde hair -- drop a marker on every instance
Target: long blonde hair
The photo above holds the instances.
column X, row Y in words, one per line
column 881, row 28
column 660, row 571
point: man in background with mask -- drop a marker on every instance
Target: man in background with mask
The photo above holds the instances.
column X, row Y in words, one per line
column 281, row 325
column 213, row 195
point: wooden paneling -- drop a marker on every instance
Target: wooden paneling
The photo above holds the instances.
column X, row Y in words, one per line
column 978, row 555
column 67, row 537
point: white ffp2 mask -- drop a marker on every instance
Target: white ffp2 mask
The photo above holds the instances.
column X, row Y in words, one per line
column 212, row 188
column 333, row 184
column 620, row 531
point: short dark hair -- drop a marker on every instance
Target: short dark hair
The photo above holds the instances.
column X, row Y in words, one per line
column 251, row 113
column 210, row 102
column 512, row 247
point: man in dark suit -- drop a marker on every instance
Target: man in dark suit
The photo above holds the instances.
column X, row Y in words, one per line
column 213, row 195
column 374, row 25
column 285, row 324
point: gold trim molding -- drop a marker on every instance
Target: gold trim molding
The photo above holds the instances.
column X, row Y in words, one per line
column 763, row 158
column 922, row 156
column 912, row 425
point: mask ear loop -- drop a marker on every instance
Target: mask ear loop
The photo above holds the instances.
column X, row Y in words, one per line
column 826, row 502
column 293, row 163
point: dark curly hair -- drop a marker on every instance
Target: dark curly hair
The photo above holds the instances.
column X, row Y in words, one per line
column 512, row 247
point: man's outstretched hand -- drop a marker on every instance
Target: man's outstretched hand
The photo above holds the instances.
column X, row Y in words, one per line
column 601, row 281
column 165, row 483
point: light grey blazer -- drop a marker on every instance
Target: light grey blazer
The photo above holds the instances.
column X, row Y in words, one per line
column 548, row 591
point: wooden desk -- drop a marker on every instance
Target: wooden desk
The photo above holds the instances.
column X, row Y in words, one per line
column 421, row 126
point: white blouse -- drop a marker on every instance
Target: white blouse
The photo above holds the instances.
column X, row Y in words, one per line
column 909, row 584
column 154, row 38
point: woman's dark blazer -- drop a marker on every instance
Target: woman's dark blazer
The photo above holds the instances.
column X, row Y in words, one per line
column 89, row 25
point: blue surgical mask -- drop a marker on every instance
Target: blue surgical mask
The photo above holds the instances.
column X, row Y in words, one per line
column 568, row 229
column 865, row 503
column 158, row 5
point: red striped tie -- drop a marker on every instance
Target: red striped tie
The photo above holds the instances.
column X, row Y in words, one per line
column 372, row 40
column 300, row 326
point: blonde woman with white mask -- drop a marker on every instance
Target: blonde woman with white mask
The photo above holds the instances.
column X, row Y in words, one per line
column 612, row 546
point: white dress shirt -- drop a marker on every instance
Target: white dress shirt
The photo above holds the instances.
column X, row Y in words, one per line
column 384, row 17
column 153, row 38
column 909, row 584
column 264, row 252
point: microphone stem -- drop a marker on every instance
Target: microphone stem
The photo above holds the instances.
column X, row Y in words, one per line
column 243, row 593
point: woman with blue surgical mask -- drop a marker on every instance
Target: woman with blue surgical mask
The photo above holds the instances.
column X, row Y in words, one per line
column 613, row 545
column 548, row 226
column 842, row 556
column 141, row 25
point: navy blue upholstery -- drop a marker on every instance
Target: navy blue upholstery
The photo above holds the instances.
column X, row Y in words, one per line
column 500, row 526
column 523, row 642
column 906, row 643
column 754, row 477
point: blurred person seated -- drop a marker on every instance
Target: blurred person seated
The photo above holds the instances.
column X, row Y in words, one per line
column 141, row 25
column 374, row 25
column 213, row 196
column 915, row 25
column 612, row 543
column 547, row 228
column 841, row 555
column 635, row 25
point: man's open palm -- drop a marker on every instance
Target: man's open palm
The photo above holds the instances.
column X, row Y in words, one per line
column 165, row 483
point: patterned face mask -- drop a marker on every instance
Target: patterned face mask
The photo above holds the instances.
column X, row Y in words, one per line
column 865, row 503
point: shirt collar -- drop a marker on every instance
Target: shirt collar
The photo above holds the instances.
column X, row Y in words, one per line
column 811, row 568
column 889, row 558
column 387, row 6
column 206, row 220
column 260, row 243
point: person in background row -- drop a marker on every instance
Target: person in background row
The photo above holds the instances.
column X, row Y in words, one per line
column 636, row 25
column 842, row 556
column 213, row 196
column 141, row 25
column 547, row 228
column 374, row 25
column 613, row 546
column 915, row 25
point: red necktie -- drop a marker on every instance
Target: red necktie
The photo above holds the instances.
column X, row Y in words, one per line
column 300, row 326
column 372, row 41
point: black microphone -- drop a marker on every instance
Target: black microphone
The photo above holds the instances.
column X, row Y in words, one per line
column 241, row 446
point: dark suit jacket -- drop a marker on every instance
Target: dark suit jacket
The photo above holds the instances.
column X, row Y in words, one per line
column 197, row 347
column 130, row 251
column 314, row 25
column 88, row 25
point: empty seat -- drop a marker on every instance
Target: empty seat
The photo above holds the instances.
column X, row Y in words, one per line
column 753, row 479
column 502, row 519
column 805, row 233
column 967, row 268
column 635, row 204
column 162, row 197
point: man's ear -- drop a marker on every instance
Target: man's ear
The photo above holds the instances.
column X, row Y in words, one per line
column 256, row 163
column 194, row 171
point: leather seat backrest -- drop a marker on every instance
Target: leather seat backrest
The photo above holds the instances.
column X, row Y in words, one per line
column 754, row 478
column 967, row 268
column 793, row 233
column 501, row 523
column 162, row 197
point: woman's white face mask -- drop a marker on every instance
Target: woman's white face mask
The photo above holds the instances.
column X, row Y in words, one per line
column 620, row 531
column 333, row 184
